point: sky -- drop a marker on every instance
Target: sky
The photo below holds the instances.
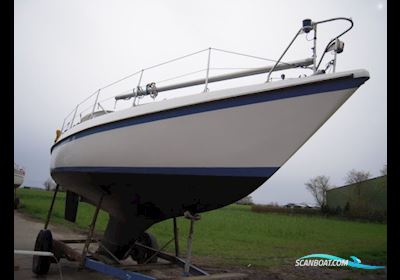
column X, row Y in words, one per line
column 66, row 50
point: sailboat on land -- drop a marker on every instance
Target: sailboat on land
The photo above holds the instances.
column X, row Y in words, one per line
column 198, row 152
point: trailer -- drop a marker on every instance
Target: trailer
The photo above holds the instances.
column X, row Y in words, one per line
column 49, row 250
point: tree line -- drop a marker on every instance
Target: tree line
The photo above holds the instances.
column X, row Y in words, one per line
column 319, row 185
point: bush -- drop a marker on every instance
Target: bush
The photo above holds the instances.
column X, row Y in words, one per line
column 245, row 201
column 278, row 209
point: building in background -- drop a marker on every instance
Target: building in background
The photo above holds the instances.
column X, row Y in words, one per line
column 366, row 199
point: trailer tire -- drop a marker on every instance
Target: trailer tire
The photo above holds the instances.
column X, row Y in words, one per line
column 152, row 242
column 44, row 242
column 139, row 254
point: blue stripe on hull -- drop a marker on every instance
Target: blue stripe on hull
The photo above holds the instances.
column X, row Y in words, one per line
column 271, row 95
column 194, row 171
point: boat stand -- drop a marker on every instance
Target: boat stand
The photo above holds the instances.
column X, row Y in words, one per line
column 91, row 231
column 192, row 219
column 87, row 259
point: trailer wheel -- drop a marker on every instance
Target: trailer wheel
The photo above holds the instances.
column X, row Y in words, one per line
column 152, row 242
column 44, row 241
column 140, row 255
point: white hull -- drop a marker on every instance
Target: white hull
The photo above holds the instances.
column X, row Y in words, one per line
column 194, row 153
column 250, row 137
column 257, row 135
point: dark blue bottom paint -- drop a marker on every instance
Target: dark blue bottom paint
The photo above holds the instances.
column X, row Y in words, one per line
column 137, row 201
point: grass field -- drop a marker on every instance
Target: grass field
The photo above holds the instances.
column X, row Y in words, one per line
column 236, row 235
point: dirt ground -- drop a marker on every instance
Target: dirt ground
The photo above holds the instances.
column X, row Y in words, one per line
column 292, row 273
column 26, row 229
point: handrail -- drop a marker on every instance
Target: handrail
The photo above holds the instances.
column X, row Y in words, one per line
column 241, row 74
column 307, row 28
column 251, row 72
column 287, row 48
column 152, row 91
column 139, row 92
column 337, row 37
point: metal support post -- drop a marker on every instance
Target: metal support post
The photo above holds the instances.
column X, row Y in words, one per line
column 208, row 70
column 192, row 218
column 335, row 55
column 51, row 207
column 73, row 118
column 279, row 60
column 189, row 250
column 137, row 88
column 176, row 237
column 315, row 49
column 91, row 230
column 95, row 102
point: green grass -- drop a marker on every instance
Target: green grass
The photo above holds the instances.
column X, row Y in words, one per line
column 236, row 235
column 37, row 202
